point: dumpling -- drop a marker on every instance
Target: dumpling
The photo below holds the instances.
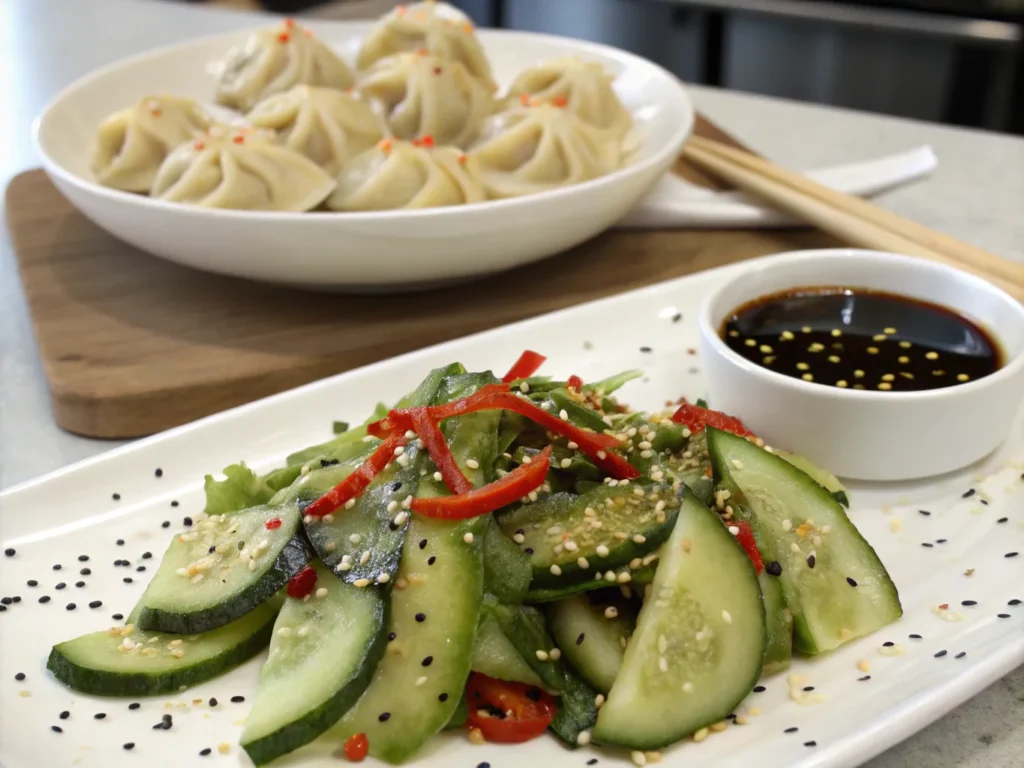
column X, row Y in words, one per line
column 437, row 28
column 131, row 144
column 329, row 127
column 582, row 87
column 401, row 174
column 272, row 61
column 423, row 95
column 533, row 149
column 242, row 169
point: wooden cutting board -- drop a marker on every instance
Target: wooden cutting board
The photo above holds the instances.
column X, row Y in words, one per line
column 132, row 344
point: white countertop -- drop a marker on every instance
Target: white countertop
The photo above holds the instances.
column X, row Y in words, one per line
column 977, row 194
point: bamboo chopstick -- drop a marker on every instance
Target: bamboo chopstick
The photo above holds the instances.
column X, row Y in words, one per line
column 854, row 220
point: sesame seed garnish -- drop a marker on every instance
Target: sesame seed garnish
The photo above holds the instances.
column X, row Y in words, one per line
column 851, row 582
column 205, row 751
column 427, row 661
column 237, row 699
column 1010, row 554
column 44, row 599
column 940, row 654
column 128, row 746
column 56, row 729
column 443, row 697
column 810, row 743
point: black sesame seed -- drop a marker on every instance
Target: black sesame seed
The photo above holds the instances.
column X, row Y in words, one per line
column 960, row 655
column 443, row 697
column 1003, row 520
column 32, row 583
column 134, row 705
column 810, row 561
column 174, row 502
column 2, row 607
column 774, row 568
column 187, row 521
column 391, row 636
column 863, row 679
column 70, row 607
column 810, row 743
column 79, row 584
column 211, row 550
column 384, row 717
column 483, row 765
column 888, row 644
column 395, row 486
column 129, row 745
column 56, row 729
column 940, row 541
column 791, row 729
column 1002, row 615
column 421, row 617
column 64, row 715
column 1015, row 601
column 592, row 761
column 115, row 496
column 431, row 560
column 423, row 543
column 60, row 585
column 117, row 616
column 808, row 688
column 968, row 493
column 167, row 718
column 528, row 550
column 127, row 579
column 83, row 558
column 677, row 317
column 6, row 600
column 851, row 582
column 205, row 751
column 99, row 716
column 57, row 567
column 44, row 599
column 927, row 544
column 1010, row 554
column 140, row 569
column 10, row 551
column 213, row 702
column 237, row 699
column 915, row 637
column 533, row 694
column 579, row 640
column 969, row 603
column 759, row 689
column 427, row 661
column 165, row 524
column 940, row 654
column 16, row 598
column 241, row 545
column 86, row 572
column 20, row 676
column 95, row 603
column 984, row 502
column 120, row 542
column 159, row 472
column 645, row 349
column 924, row 512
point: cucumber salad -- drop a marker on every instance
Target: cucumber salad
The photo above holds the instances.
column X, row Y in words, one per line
column 504, row 556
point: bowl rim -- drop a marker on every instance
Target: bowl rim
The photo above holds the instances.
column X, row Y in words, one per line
column 1014, row 366
column 657, row 158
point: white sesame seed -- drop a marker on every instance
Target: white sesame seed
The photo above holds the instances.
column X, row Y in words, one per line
column 638, row 758
column 350, row 503
column 734, row 530
column 737, row 463
column 468, row 538
column 787, row 525
column 438, row 476
column 726, row 617
column 518, row 538
column 663, row 664
column 638, row 492
column 532, row 495
column 646, row 454
column 583, row 563
column 285, row 631
column 602, row 455
column 795, row 548
column 611, row 612
column 583, row 738
column 308, row 520
column 346, row 558
column 563, row 415
column 687, row 687
column 524, row 387
column 639, row 539
column 341, row 567
column 330, row 546
column 304, row 471
column 355, row 538
column 662, row 644
column 572, row 446
column 392, row 506
column 565, row 463
column 826, row 529
column 542, row 655
column 599, row 700
column 361, row 583
column 589, row 512
column 421, row 680
column 624, row 577
column 554, row 654
column 610, row 577
column 252, row 565
column 555, row 570
column 403, row 460
column 527, row 459
column 365, row 557
column 570, row 546
column 321, row 593
column 383, row 578
column 303, row 632
column 400, row 518
column 602, row 550
column 399, row 450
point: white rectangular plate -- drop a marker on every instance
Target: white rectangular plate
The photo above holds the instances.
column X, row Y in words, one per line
column 72, row 512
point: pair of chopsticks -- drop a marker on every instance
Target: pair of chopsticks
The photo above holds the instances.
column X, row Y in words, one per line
column 849, row 218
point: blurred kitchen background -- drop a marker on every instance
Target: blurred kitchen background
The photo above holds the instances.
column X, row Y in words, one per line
column 951, row 61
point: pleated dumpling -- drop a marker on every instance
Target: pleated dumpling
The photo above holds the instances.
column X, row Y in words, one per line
column 423, row 95
column 582, row 87
column 328, row 126
column 272, row 61
column 241, row 169
column 131, row 144
column 401, row 174
column 530, row 149
column 438, row 28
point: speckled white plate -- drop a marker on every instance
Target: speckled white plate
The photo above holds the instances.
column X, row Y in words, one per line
column 942, row 660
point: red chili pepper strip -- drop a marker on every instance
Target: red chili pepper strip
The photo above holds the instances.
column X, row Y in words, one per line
column 356, row 483
column 574, row 383
column 302, row 583
column 500, row 493
column 272, row 523
column 696, row 419
column 526, row 711
column 527, row 365
column 356, row 747
column 746, row 540
column 432, row 437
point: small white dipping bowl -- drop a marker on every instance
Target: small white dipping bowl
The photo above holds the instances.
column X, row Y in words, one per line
column 861, row 434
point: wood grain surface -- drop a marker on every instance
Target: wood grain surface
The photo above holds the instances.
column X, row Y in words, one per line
column 132, row 344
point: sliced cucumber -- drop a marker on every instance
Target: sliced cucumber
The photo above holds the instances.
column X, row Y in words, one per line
column 832, row 580
column 223, row 568
column 125, row 661
column 699, row 640
column 322, row 656
column 821, row 476
column 495, row 656
column 576, row 538
column 638, row 578
column 417, row 685
column 592, row 639
column 778, row 652
column 507, row 570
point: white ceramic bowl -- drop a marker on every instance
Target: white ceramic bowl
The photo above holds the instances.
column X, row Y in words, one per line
column 862, row 434
column 359, row 251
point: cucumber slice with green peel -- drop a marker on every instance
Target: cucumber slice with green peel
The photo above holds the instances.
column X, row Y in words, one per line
column 778, row 652
column 699, row 640
column 833, row 582
column 434, row 610
column 821, row 476
column 459, row 716
column 495, row 656
column 124, row 661
column 593, row 640
column 577, row 538
column 322, row 656
column 507, row 570
column 575, row 413
column 223, row 568
column 638, row 579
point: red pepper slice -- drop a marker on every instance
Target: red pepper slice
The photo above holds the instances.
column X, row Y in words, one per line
column 356, row 483
column 432, row 437
column 696, row 419
column 302, row 583
column 746, row 540
column 514, row 712
column 272, row 523
column 528, row 364
column 574, row 383
column 356, row 747
column 500, row 493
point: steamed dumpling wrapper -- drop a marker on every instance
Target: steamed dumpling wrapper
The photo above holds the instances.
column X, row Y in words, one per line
column 241, row 169
column 329, row 127
column 423, row 95
column 581, row 87
column 131, row 144
column 401, row 174
column 272, row 61
column 531, row 149
column 438, row 28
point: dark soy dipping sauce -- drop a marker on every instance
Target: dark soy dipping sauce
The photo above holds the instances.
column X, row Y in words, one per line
column 861, row 339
